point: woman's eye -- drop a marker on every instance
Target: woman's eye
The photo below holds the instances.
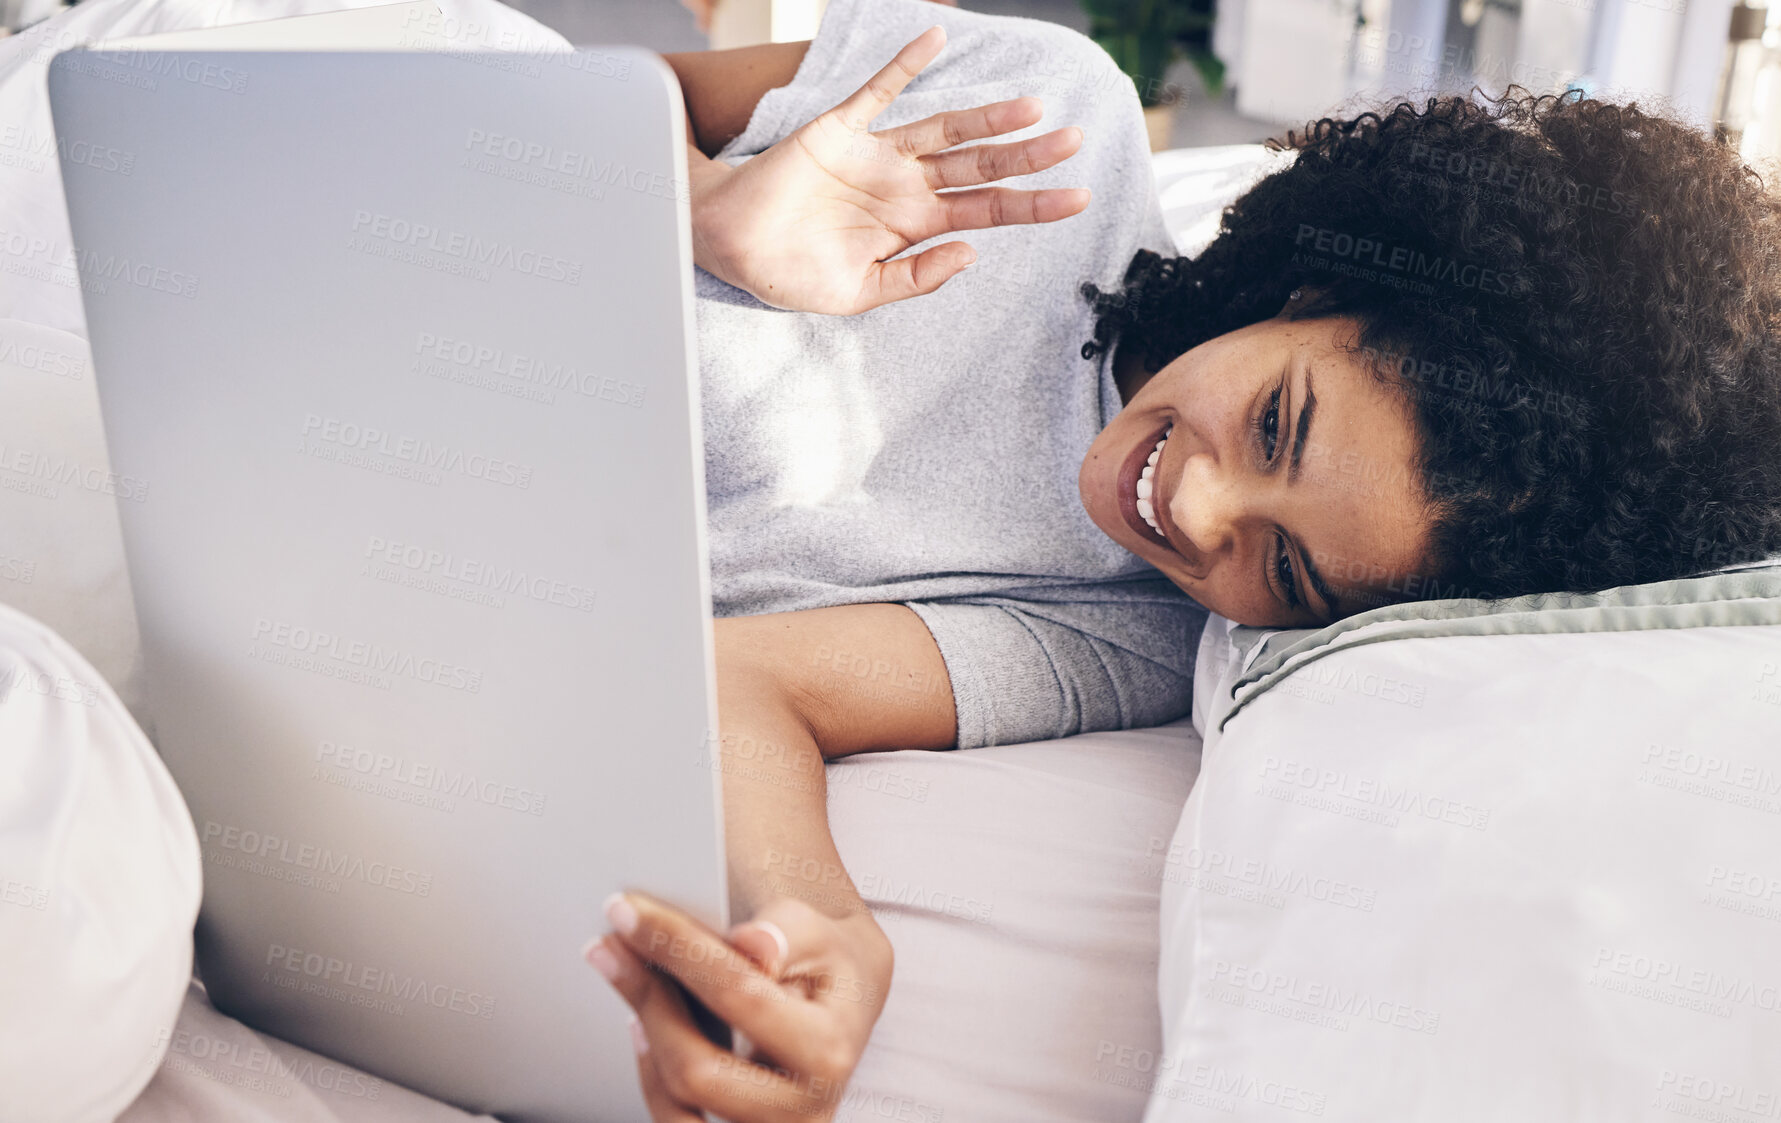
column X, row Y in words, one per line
column 1283, row 569
column 1270, row 425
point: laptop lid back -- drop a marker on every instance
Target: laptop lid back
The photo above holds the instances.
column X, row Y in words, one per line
column 395, row 353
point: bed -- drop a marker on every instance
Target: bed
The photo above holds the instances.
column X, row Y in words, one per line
column 1431, row 846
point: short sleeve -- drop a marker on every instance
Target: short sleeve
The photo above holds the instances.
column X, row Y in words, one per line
column 1026, row 671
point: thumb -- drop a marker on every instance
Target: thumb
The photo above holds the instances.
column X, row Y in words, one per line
column 786, row 935
column 764, row 942
column 916, row 276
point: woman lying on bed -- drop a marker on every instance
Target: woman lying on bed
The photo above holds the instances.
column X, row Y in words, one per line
column 1452, row 349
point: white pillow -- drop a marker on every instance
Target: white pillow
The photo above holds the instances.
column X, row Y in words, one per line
column 99, row 887
column 1516, row 861
column 1194, row 185
column 1217, row 664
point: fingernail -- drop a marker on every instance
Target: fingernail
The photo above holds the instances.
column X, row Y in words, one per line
column 773, row 930
column 603, row 960
column 638, row 1041
column 620, row 914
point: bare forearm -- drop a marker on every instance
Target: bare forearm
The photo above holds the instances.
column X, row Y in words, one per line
column 775, row 803
column 722, row 88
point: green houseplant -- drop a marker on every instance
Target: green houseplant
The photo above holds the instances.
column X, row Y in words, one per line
column 1145, row 36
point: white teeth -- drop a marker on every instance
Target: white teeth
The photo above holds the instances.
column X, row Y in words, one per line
column 1147, row 483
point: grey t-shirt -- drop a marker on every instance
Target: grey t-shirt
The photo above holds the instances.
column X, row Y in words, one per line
column 926, row 452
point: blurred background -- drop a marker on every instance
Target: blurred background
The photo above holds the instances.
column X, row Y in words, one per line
column 1233, row 71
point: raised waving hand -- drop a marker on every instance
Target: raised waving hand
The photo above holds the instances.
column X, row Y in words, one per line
column 812, row 223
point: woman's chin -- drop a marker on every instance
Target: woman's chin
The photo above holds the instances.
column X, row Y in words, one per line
column 1106, row 519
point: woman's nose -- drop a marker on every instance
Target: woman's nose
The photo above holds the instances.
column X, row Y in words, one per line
column 1205, row 506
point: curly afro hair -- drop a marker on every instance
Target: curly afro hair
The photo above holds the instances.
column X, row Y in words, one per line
column 1580, row 302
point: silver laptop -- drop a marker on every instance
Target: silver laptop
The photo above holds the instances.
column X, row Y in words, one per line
column 399, row 346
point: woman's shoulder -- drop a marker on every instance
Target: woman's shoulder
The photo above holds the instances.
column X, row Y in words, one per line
column 1044, row 59
column 1051, row 60
column 987, row 58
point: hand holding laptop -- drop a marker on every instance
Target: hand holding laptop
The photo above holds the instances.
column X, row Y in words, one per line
column 791, row 979
column 808, row 225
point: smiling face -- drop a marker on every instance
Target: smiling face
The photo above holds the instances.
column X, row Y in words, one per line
column 1286, row 494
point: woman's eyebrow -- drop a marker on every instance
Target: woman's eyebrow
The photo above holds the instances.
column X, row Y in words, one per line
column 1300, row 432
column 1317, row 583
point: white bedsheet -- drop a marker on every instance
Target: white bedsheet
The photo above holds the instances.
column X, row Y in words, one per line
column 1021, row 895
column 218, row 1069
